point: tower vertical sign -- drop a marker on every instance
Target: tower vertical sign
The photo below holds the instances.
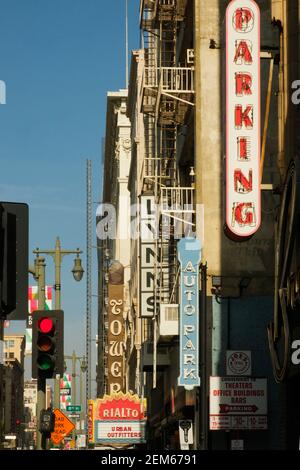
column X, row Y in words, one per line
column 243, row 199
column 189, row 255
column 115, row 334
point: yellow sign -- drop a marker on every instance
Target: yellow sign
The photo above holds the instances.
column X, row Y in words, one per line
column 62, row 427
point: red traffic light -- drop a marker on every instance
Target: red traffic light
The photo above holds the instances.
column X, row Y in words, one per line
column 18, row 422
column 47, row 344
column 45, row 324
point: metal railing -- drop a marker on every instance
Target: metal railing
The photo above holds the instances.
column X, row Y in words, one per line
column 150, row 77
column 177, row 79
column 171, row 79
column 177, row 200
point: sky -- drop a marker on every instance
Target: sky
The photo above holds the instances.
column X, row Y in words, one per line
column 58, row 60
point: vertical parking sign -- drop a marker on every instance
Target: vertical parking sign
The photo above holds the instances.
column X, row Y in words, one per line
column 189, row 255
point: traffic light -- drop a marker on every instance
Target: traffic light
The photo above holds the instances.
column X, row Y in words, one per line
column 14, row 260
column 47, row 343
column 47, row 421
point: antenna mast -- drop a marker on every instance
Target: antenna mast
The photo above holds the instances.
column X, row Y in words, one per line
column 126, row 40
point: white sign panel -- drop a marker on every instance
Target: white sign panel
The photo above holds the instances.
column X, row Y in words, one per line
column 149, row 256
column 243, row 200
column 116, row 431
column 238, row 403
column 81, row 440
column 238, row 363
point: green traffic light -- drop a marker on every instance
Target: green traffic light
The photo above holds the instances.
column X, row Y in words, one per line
column 45, row 362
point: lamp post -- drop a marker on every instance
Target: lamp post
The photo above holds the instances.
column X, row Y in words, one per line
column 57, row 255
column 83, row 369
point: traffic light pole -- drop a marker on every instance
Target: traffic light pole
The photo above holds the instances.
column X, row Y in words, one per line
column 41, row 381
column 57, row 255
column 1, row 381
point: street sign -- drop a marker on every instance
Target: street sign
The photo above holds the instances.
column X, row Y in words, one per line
column 238, row 403
column 63, row 426
column 74, row 415
column 238, row 363
column 73, row 407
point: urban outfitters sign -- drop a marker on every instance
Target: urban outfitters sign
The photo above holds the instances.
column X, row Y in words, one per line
column 189, row 255
column 243, row 198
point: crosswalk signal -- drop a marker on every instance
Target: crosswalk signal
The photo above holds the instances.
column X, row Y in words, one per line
column 47, row 344
column 47, row 421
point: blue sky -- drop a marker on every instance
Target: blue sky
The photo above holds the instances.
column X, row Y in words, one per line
column 58, row 59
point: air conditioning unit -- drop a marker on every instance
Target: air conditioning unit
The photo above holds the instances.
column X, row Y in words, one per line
column 190, row 56
column 169, row 321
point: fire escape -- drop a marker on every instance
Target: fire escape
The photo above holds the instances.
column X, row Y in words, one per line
column 167, row 94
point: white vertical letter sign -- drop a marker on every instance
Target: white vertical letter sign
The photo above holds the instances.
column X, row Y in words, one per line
column 243, row 204
column 189, row 255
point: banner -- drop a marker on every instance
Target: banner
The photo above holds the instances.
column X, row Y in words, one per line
column 32, row 306
column 65, row 391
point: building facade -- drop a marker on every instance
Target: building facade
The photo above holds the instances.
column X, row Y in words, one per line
column 113, row 239
column 178, row 105
column 13, row 386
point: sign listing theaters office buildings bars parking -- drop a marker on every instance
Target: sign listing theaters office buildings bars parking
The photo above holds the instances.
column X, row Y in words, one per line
column 238, row 403
column 242, row 119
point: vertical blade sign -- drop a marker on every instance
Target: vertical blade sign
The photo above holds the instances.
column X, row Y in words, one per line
column 243, row 199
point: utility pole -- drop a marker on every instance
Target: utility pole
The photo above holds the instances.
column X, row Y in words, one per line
column 88, row 278
column 203, row 409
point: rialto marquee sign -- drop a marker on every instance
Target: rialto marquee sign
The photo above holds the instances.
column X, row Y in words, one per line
column 243, row 199
column 117, row 418
column 189, row 255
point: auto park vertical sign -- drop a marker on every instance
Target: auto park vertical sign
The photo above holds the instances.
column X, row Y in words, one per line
column 243, row 199
column 189, row 255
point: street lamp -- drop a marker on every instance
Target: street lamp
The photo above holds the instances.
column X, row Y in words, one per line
column 83, row 369
column 77, row 269
column 57, row 255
